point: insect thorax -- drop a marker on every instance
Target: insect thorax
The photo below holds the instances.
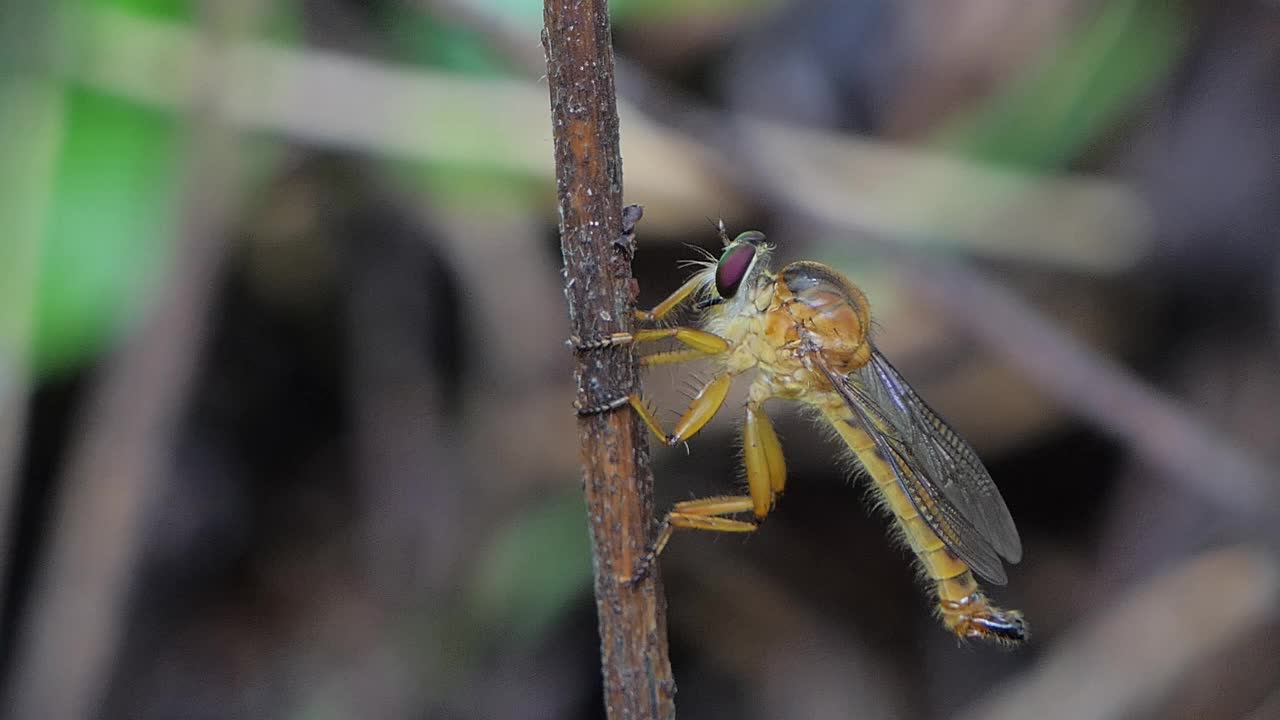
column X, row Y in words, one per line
column 833, row 315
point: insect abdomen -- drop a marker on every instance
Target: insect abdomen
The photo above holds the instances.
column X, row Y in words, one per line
column 964, row 609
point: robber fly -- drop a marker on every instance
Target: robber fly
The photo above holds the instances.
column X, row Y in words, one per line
column 804, row 334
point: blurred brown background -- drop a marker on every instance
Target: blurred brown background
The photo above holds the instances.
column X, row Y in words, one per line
column 285, row 424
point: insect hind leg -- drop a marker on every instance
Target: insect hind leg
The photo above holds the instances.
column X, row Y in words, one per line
column 702, row 514
column 766, row 478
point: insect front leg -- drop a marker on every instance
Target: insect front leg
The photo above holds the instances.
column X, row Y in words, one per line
column 698, row 344
column 695, row 339
column 671, row 302
column 702, row 343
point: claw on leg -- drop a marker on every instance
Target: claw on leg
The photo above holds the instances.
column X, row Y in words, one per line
column 766, row 477
column 600, row 343
column 636, row 403
column 705, row 405
column 648, row 418
column 701, row 514
column 600, row 408
column 698, row 343
column 702, row 408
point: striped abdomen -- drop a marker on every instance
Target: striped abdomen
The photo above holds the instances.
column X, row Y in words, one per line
column 964, row 608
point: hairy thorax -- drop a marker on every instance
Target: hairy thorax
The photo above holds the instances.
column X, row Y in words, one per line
column 805, row 306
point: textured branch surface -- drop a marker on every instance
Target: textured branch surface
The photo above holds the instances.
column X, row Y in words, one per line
column 617, row 480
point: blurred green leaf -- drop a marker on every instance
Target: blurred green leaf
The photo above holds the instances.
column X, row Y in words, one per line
column 425, row 40
column 30, row 109
column 114, row 203
column 466, row 186
column 160, row 9
column 111, row 215
column 280, row 20
column 1080, row 92
column 31, row 112
column 535, row 568
column 525, row 14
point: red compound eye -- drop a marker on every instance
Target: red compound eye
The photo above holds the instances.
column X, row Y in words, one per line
column 733, row 267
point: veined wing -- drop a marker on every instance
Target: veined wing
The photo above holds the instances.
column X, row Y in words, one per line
column 950, row 462
column 939, row 472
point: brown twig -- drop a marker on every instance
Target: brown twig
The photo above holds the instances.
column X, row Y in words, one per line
column 65, row 652
column 618, row 484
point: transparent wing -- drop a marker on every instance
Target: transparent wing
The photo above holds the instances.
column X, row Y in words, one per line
column 950, row 464
column 936, row 468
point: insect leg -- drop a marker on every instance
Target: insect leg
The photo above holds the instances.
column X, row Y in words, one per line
column 766, row 467
column 699, row 344
column 673, row 301
column 702, row 408
column 700, row 340
column 659, row 311
column 671, row 357
column 646, row 416
column 701, row 514
column 704, row 342
column 766, row 477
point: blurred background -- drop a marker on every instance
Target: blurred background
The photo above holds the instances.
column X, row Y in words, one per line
column 285, row 425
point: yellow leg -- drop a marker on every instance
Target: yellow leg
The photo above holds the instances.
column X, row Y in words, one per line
column 699, row 344
column 671, row 357
column 766, row 467
column 704, row 342
column 710, row 344
column 697, row 339
column 673, row 301
column 702, row 514
column 646, row 416
column 766, row 478
column 707, row 343
column 704, row 406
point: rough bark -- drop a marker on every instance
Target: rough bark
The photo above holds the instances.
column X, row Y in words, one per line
column 598, row 286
